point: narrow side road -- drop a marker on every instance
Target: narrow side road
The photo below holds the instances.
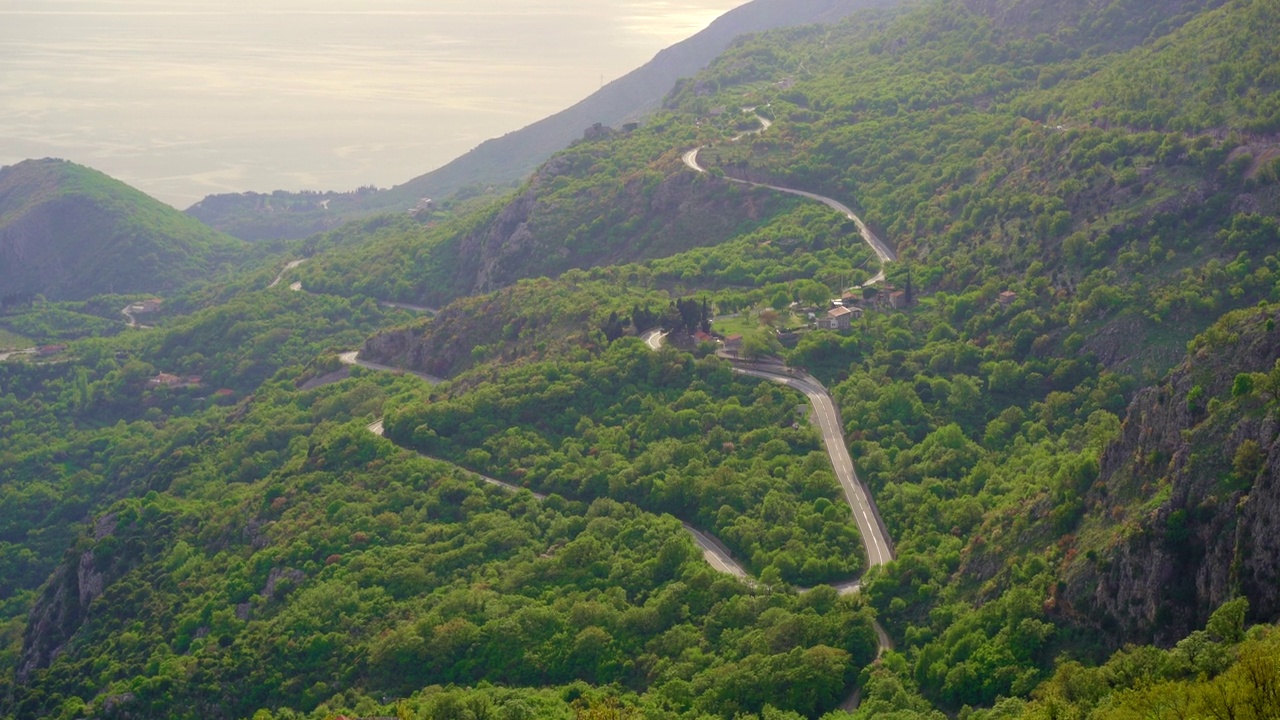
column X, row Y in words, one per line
column 353, row 358
column 878, row 246
column 288, row 266
column 411, row 308
column 377, row 429
column 297, row 287
column 653, row 339
column 133, row 321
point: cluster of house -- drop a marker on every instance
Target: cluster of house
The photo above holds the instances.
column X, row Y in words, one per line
column 175, row 381
column 851, row 305
column 146, row 306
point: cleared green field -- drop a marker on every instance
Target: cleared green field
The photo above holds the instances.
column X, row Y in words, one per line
column 735, row 325
column 740, row 324
column 13, row 341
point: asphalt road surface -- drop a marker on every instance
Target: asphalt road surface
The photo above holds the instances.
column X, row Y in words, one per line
column 883, row 251
column 353, row 358
column 879, row 549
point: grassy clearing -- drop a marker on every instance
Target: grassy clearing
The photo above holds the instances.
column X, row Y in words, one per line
column 736, row 325
column 13, row 341
column 747, row 323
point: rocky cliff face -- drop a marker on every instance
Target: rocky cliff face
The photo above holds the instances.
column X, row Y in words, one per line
column 412, row 349
column 65, row 603
column 1188, row 497
column 651, row 213
column 539, row 317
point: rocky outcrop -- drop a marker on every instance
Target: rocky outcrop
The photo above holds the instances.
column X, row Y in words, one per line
column 64, row 604
column 411, row 348
column 1189, row 495
column 628, row 219
column 465, row 333
column 493, row 249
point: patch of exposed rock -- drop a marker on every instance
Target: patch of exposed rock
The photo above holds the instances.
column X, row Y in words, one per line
column 1188, row 528
column 634, row 218
column 65, row 602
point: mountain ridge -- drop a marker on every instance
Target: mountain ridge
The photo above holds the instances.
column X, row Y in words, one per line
column 510, row 158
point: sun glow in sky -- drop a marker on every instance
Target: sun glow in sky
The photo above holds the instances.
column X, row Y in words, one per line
column 183, row 98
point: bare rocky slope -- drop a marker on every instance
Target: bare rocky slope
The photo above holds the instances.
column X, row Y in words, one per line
column 1182, row 517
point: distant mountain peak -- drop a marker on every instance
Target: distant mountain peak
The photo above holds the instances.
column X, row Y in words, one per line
column 70, row 232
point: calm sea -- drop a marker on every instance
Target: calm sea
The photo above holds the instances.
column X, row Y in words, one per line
column 183, row 98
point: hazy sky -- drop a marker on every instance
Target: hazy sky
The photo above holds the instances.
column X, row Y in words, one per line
column 183, row 98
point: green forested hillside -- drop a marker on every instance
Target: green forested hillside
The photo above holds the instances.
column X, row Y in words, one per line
column 664, row 433
column 69, row 232
column 1064, row 409
column 354, row 569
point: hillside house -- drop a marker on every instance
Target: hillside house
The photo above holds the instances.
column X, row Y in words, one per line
column 898, row 299
column 47, row 350
column 839, row 318
column 733, row 344
column 146, row 306
column 1007, row 297
column 172, row 381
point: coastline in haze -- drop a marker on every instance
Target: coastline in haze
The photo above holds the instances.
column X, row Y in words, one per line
column 281, row 94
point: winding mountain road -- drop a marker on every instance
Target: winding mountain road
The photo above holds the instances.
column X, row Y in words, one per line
column 878, row 246
column 871, row 526
column 874, row 535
